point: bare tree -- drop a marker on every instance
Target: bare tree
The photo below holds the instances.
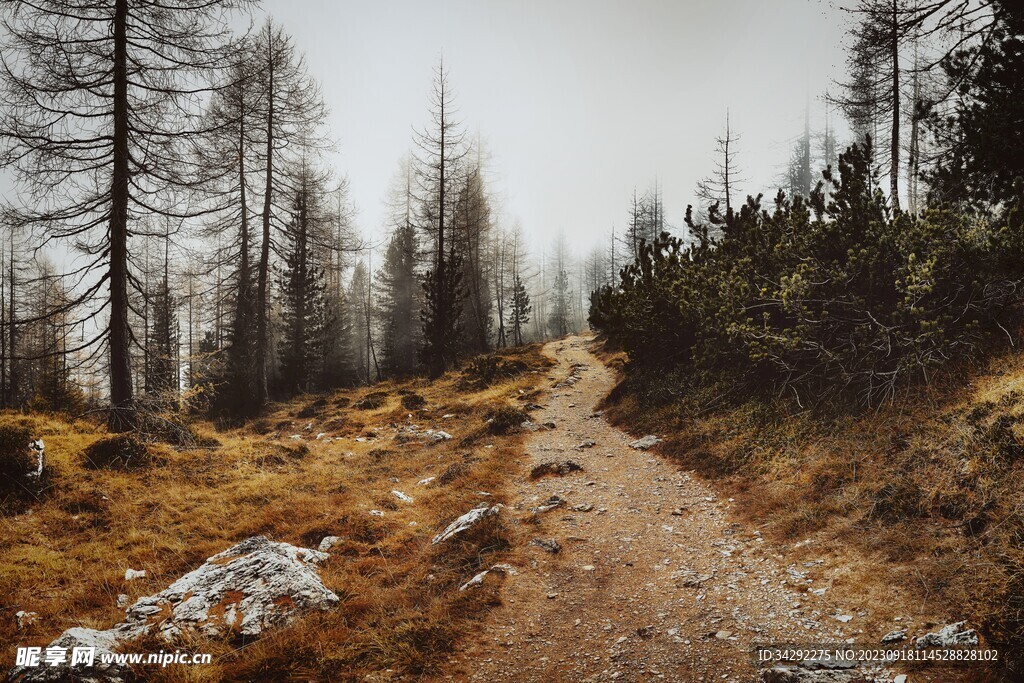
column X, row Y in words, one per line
column 440, row 175
column 99, row 98
column 723, row 183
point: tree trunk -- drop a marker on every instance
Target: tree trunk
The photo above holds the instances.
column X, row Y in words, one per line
column 120, row 362
column 262, row 333
column 894, row 168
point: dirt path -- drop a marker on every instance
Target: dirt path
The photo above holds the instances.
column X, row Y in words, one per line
column 652, row 582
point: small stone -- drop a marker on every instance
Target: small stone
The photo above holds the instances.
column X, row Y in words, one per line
column 25, row 619
column 548, row 545
column 894, row 636
column 328, row 542
column 402, row 497
column 132, row 574
column 588, row 567
column 643, row 443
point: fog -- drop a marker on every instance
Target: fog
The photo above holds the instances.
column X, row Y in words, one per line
column 577, row 101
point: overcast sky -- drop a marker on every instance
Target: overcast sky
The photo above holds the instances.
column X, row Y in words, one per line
column 578, row 100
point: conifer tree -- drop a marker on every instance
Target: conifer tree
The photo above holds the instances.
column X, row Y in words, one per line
column 440, row 175
column 303, row 303
column 399, row 303
column 519, row 309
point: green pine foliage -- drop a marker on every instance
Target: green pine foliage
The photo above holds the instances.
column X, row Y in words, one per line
column 519, row 310
column 304, row 310
column 844, row 299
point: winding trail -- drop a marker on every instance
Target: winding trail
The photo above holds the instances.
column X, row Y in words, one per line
column 652, row 582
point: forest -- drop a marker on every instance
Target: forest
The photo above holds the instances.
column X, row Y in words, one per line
column 219, row 352
column 180, row 242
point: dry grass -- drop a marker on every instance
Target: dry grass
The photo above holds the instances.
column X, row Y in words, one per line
column 921, row 499
column 400, row 609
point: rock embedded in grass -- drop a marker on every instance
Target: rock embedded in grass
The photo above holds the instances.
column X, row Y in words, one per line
column 466, row 522
column 328, row 542
column 949, row 636
column 244, row 590
column 252, row 586
column 25, row 619
column 103, row 644
column 478, row 580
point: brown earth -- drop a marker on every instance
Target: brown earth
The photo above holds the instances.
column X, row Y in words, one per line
column 654, row 581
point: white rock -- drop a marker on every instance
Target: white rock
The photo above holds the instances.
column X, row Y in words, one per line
column 321, row 435
column 103, row 643
column 843, row 618
column 39, row 448
column 401, row 496
column 247, row 588
column 947, row 636
column 479, row 578
column 122, row 600
column 132, row 574
column 644, row 443
column 296, row 437
column 894, row 636
column 328, row 542
column 377, row 513
column 424, row 482
column 466, row 521
column 25, row 619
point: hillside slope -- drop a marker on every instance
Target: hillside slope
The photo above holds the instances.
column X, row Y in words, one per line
column 321, row 466
column 921, row 496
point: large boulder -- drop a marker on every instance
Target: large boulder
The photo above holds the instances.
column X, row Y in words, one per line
column 250, row 587
column 243, row 590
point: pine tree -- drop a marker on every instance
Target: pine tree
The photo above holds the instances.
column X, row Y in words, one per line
column 440, row 175
column 399, row 303
column 303, row 303
column 519, row 309
column 558, row 322
column 471, row 234
column 161, row 372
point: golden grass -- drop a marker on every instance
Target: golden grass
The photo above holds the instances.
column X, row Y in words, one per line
column 920, row 500
column 400, row 604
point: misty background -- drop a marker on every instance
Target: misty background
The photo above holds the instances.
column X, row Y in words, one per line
column 576, row 104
